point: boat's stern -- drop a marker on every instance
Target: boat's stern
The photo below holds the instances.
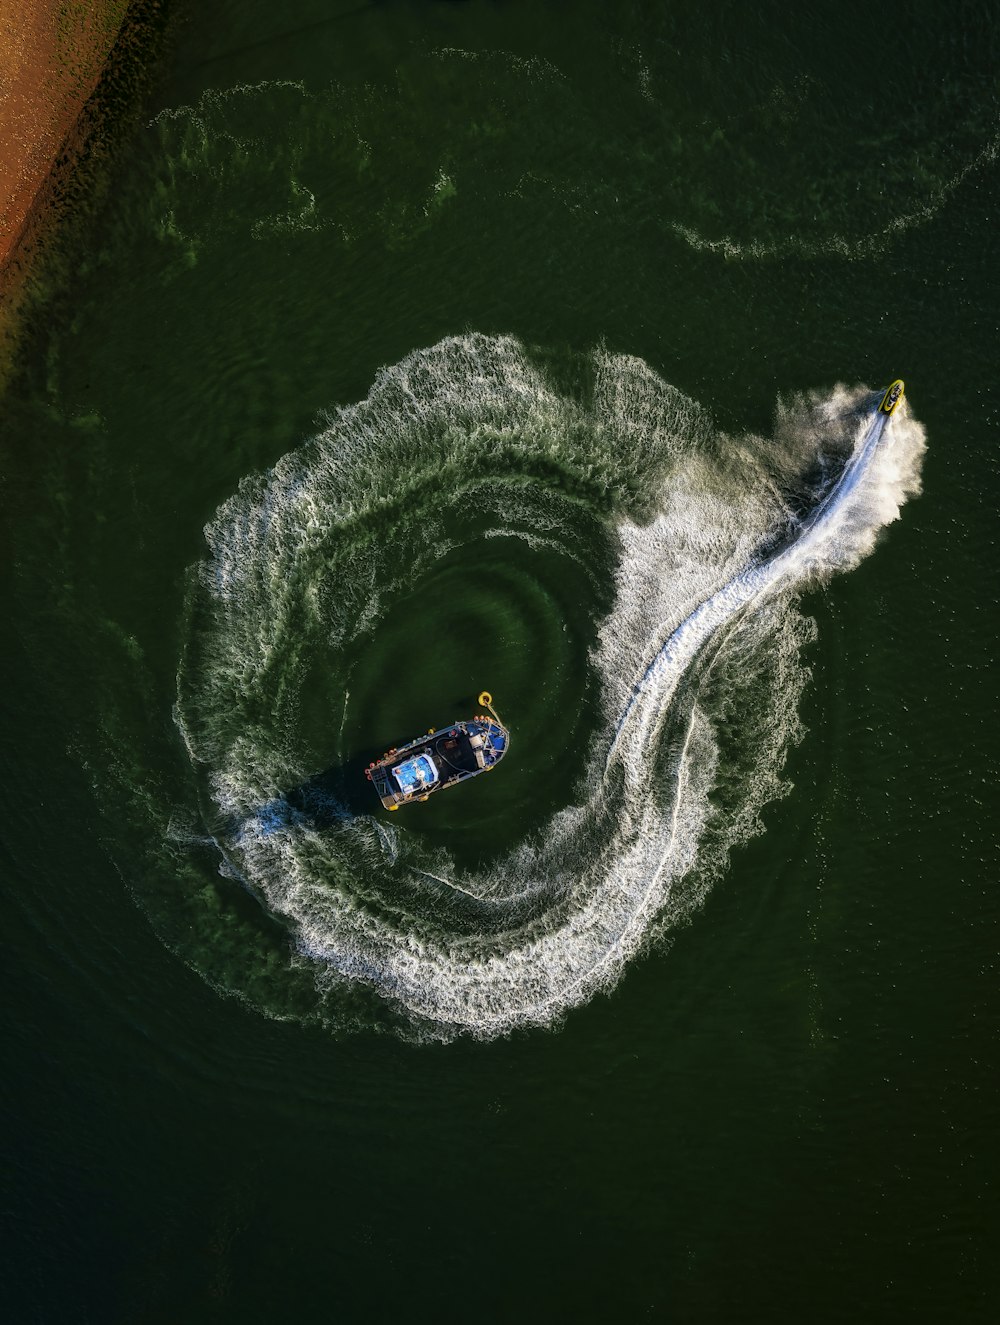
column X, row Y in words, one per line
column 381, row 779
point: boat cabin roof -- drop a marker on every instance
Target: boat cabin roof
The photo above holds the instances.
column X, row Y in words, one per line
column 416, row 774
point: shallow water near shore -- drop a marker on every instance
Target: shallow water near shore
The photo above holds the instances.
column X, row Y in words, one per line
column 428, row 348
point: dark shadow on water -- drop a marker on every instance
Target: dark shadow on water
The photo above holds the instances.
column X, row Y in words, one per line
column 339, row 792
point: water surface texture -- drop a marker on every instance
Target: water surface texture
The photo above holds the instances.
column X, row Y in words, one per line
column 429, row 347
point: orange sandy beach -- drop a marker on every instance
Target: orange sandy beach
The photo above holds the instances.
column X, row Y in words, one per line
column 51, row 56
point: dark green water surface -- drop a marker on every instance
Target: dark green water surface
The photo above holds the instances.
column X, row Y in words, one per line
column 424, row 347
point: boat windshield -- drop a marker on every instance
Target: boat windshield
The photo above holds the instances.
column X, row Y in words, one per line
column 415, row 774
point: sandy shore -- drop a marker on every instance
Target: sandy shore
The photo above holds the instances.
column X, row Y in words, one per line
column 51, row 57
column 52, row 53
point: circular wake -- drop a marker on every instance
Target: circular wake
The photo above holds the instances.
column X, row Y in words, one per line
column 627, row 574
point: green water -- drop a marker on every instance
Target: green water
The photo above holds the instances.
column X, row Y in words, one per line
column 427, row 347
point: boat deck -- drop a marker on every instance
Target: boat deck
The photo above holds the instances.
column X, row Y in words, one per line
column 455, row 757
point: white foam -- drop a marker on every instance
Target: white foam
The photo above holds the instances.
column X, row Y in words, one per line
column 867, row 245
column 711, row 557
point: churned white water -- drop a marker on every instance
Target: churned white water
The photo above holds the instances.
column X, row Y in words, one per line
column 716, row 536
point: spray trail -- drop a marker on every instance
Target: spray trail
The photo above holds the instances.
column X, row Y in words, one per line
column 821, row 543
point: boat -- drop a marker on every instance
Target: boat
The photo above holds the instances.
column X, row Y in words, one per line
column 892, row 397
column 442, row 758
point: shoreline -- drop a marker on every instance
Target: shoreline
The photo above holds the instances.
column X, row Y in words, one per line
column 53, row 58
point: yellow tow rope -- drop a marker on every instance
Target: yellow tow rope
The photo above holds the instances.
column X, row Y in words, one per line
column 486, row 699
